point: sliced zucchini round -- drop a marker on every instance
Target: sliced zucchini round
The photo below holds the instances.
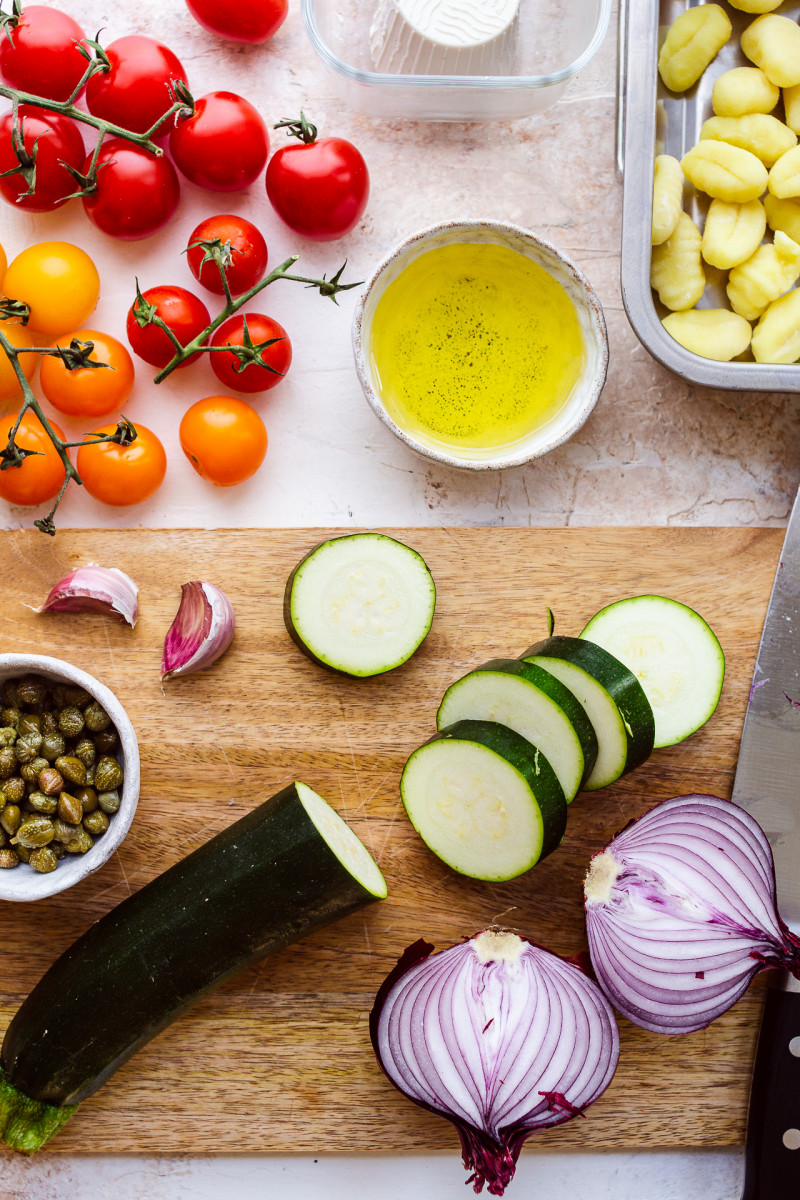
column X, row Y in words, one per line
column 484, row 800
column 526, row 698
column 360, row 604
column 673, row 653
column 613, row 698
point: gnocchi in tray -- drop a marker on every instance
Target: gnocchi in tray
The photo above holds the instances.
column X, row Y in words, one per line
column 741, row 184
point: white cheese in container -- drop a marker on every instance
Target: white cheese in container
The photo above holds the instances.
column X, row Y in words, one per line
column 444, row 37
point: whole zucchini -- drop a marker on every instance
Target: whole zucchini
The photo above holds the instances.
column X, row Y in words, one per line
column 286, row 868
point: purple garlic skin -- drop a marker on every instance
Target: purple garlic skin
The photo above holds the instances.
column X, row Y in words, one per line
column 95, row 589
column 202, row 630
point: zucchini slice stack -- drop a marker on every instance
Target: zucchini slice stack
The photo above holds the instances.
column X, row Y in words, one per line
column 518, row 738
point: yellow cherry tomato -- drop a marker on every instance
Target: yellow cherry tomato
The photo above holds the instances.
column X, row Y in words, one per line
column 59, row 283
column 17, row 335
column 3, row 262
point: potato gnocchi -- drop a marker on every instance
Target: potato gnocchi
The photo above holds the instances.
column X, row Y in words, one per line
column 676, row 266
column 747, row 159
column 693, row 41
column 744, row 90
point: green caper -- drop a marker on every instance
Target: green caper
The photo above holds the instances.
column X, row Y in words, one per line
column 73, row 770
column 90, row 776
column 3, row 838
column 39, row 802
column 13, row 790
column 80, row 842
column 33, row 832
column 9, row 693
column 96, row 823
column 8, row 762
column 108, row 774
column 50, row 781
column 70, row 721
column 106, row 740
column 31, row 771
column 29, row 723
column 8, row 859
column 26, row 747
column 70, row 808
column 49, row 722
column 8, row 735
column 10, row 818
column 10, row 716
column 53, row 746
column 63, row 831
column 109, row 802
column 85, row 751
column 43, row 860
column 57, row 848
column 59, row 694
column 23, row 853
column 31, row 691
column 77, row 696
column 96, row 717
column 87, row 797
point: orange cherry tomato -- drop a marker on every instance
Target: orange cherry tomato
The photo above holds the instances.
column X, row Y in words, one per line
column 41, row 475
column 18, row 335
column 122, row 475
column 89, row 391
column 224, row 439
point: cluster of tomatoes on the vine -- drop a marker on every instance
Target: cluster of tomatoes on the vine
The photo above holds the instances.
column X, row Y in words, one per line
column 128, row 189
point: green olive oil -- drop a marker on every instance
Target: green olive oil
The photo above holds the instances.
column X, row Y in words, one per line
column 475, row 346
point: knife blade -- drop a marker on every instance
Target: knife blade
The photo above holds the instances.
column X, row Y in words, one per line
column 767, row 784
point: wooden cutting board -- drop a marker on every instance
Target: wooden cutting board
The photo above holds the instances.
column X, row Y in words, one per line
column 278, row 1059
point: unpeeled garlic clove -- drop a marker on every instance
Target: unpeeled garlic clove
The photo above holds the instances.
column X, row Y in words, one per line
column 202, row 630
column 95, row 589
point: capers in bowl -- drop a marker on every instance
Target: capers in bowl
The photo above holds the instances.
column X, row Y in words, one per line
column 56, row 753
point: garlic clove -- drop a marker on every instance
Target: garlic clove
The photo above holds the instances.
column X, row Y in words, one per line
column 202, row 630
column 95, row 589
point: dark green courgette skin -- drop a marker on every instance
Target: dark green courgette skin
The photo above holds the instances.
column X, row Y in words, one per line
column 531, row 764
column 264, row 882
column 561, row 695
column 619, row 682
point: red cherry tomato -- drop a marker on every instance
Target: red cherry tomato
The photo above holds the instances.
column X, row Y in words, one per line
column 136, row 91
column 253, row 378
column 41, row 475
column 122, row 475
column 223, row 146
column 136, row 192
column 182, row 311
column 247, row 249
column 252, row 21
column 58, row 141
column 224, row 439
column 41, row 55
column 319, row 189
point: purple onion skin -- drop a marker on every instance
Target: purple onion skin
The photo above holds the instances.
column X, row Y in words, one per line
column 699, row 848
column 490, row 1161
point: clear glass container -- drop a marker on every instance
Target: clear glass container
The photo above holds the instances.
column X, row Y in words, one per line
column 554, row 41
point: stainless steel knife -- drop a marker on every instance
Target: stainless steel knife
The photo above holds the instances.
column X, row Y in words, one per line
column 767, row 784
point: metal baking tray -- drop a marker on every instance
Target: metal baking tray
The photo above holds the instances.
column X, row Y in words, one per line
column 654, row 121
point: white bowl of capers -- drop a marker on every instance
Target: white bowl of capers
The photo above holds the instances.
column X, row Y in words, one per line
column 69, row 775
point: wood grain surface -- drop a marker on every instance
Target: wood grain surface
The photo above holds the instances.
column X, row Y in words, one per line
column 278, row 1059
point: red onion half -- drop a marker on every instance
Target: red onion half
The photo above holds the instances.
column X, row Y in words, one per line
column 499, row 1036
column 680, row 913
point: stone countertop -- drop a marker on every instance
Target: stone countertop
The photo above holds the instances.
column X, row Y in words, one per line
column 656, row 451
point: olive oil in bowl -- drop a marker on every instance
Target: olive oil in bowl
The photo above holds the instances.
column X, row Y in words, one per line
column 474, row 347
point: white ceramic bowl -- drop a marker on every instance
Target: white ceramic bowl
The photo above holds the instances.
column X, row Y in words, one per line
column 22, row 883
column 584, row 396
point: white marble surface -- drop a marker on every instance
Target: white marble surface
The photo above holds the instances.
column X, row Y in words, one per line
column 655, row 451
